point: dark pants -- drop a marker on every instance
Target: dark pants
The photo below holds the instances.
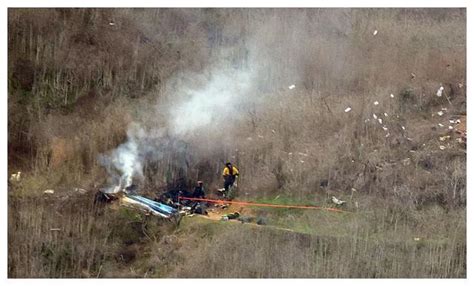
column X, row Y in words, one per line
column 228, row 182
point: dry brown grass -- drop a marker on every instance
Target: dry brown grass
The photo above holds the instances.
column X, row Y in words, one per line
column 77, row 80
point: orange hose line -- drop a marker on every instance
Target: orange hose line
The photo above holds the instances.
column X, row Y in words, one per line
column 263, row 205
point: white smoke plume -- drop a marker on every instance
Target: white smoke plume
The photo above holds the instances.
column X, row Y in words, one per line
column 212, row 105
column 200, row 103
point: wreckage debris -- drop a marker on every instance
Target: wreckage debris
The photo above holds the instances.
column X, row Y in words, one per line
column 348, row 109
column 292, row 86
column 439, row 93
column 15, row 177
column 337, row 201
column 376, row 103
column 375, row 32
column 80, row 191
column 234, row 215
column 49, row 192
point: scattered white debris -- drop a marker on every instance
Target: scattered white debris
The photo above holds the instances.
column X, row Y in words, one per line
column 301, row 161
column 49, row 192
column 442, row 147
column 348, row 109
column 55, row 229
column 403, row 127
column 409, row 139
column 375, row 116
column 450, row 127
column 443, row 138
column 413, row 76
column 260, row 136
column 80, row 191
column 273, row 131
column 391, row 95
column 292, row 86
column 16, row 177
column 290, row 153
column 380, row 120
column 375, row 32
column 112, row 24
column 452, row 121
column 439, row 93
column 353, row 190
column 458, row 121
column 440, row 113
column 337, row 201
column 416, row 239
column 384, row 128
column 444, row 109
column 376, row 103
column 385, row 114
column 303, row 154
column 367, row 120
column 388, row 134
column 440, row 125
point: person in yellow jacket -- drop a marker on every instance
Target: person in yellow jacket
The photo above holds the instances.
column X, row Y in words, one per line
column 230, row 173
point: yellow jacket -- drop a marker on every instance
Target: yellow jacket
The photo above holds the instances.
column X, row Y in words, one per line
column 226, row 172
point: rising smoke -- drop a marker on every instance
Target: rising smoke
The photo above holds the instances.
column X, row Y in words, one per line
column 212, row 101
column 196, row 107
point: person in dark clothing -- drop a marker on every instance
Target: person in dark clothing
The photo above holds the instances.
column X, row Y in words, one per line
column 199, row 191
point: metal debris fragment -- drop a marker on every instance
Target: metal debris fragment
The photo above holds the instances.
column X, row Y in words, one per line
column 439, row 93
column 376, row 103
column 442, row 147
column 292, row 86
column 348, row 109
column 375, row 32
column 375, row 116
